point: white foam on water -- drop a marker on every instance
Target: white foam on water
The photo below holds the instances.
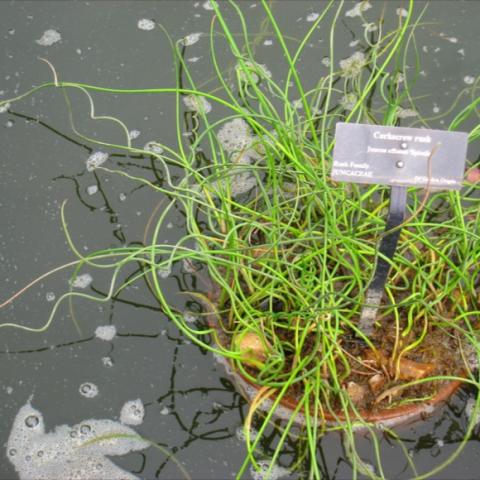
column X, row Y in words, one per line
column 164, row 271
column 164, row 411
column 207, row 5
column 256, row 71
column 326, row 61
column 191, row 39
column 50, row 296
column 370, row 27
column 48, row 38
column 122, row 197
column 189, row 316
column 240, row 433
column 348, row 101
column 461, row 51
column 358, row 9
column 146, row 24
column 354, row 43
column 352, row 65
column 236, row 136
column 92, row 189
column 236, row 139
column 106, row 332
column 95, row 160
column 311, row 17
column 153, row 147
column 452, row 39
column 370, row 469
column 82, row 281
column 88, row 390
column 194, row 103
column 406, row 112
column 469, row 408
column 132, row 412
column 133, row 134
column 193, row 60
column 401, row 12
column 276, row 471
column 107, row 362
column 469, row 79
column 4, row 107
column 268, row 42
column 297, row 104
column 77, row 452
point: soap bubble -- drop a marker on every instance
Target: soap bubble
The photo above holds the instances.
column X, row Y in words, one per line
column 82, row 281
column 191, row 39
column 85, row 429
column 358, row 9
column 32, row 421
column 132, row 412
column 311, row 17
column 146, row 24
column 198, row 104
column 50, row 296
column 88, row 390
column 133, row 134
column 153, row 147
column 4, row 108
column 353, row 65
column 48, row 38
column 95, row 160
column 106, row 332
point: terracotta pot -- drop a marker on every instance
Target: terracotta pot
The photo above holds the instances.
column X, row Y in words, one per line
column 388, row 417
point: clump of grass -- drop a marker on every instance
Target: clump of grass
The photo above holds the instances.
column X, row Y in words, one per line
column 287, row 254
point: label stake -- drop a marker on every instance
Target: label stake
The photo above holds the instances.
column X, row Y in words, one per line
column 388, row 155
column 387, row 247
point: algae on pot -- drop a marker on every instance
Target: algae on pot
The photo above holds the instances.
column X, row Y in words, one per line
column 285, row 254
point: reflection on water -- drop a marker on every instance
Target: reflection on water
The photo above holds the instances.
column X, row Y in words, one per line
column 127, row 348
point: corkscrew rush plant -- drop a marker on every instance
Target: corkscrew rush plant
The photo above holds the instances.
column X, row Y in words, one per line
column 285, row 254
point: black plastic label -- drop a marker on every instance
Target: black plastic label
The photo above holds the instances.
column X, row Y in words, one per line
column 399, row 156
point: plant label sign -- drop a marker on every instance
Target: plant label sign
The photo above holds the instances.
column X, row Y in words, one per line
column 401, row 156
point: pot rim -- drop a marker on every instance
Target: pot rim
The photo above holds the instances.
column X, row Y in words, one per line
column 386, row 417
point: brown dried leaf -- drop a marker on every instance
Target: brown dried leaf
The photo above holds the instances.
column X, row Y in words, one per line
column 356, row 392
column 376, row 383
column 390, row 392
column 410, row 370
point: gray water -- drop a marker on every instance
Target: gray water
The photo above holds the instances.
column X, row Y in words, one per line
column 192, row 408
